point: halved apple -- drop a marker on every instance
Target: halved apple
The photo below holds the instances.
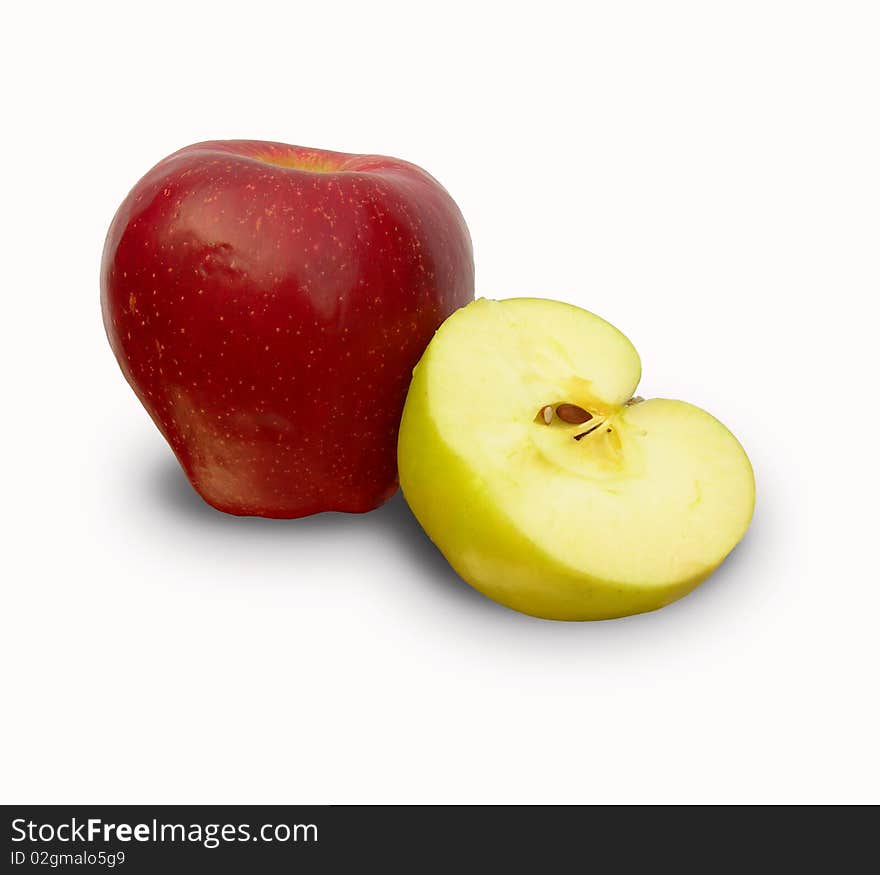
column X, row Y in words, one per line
column 549, row 487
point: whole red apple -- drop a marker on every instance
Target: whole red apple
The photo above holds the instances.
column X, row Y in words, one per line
column 267, row 303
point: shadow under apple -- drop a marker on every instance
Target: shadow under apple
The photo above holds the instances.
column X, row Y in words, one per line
column 393, row 520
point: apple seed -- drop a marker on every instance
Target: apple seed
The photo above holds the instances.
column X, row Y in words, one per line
column 547, row 413
column 573, row 414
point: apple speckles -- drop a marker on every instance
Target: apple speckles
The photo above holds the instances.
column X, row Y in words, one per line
column 343, row 257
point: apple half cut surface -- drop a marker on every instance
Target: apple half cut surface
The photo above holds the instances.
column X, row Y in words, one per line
column 549, row 487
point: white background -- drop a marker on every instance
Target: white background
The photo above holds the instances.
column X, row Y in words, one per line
column 704, row 175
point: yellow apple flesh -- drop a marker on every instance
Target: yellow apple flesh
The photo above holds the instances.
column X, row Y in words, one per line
column 546, row 511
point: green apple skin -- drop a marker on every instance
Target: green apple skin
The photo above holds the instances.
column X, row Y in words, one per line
column 485, row 548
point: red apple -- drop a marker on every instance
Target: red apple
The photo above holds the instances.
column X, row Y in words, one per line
column 267, row 303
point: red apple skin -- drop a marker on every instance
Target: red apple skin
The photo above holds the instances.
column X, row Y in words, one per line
column 267, row 303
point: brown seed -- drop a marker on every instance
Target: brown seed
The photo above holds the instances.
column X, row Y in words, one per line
column 547, row 413
column 573, row 414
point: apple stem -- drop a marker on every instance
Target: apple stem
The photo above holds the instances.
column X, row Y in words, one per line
column 583, row 434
